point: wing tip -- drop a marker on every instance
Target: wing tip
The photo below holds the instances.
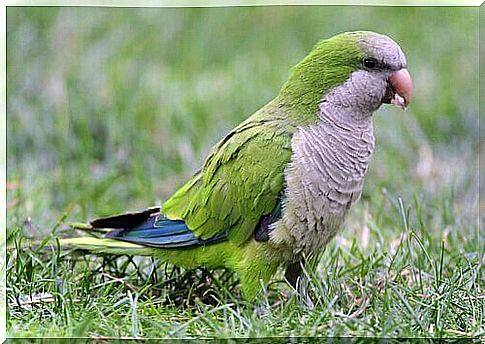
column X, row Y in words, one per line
column 124, row 220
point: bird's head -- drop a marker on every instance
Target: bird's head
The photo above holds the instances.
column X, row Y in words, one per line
column 354, row 70
column 385, row 59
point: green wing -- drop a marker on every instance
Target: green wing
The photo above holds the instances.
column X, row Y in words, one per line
column 239, row 182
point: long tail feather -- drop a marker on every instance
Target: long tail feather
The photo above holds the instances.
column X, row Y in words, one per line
column 139, row 234
column 107, row 246
column 86, row 227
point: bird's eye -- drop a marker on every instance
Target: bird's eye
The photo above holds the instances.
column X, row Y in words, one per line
column 370, row 62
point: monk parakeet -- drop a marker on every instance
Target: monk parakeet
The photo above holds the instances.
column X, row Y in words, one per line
column 278, row 186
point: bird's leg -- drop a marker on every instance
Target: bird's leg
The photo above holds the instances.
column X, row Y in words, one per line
column 292, row 273
column 297, row 279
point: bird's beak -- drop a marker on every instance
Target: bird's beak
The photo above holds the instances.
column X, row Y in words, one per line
column 399, row 89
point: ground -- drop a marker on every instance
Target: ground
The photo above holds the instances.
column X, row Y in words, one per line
column 112, row 109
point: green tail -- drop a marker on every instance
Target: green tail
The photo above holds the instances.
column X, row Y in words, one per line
column 107, row 246
column 103, row 245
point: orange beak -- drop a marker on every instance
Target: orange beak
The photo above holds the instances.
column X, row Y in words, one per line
column 400, row 89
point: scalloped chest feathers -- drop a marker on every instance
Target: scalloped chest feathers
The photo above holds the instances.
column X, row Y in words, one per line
column 324, row 179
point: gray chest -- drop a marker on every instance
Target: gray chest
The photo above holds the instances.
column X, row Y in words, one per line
column 324, row 179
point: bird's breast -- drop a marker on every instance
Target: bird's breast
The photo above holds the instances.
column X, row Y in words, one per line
column 323, row 180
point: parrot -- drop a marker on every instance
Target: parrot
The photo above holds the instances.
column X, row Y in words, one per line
column 278, row 187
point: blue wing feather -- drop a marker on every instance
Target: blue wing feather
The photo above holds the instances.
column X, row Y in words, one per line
column 158, row 231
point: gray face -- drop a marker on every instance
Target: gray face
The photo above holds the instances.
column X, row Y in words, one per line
column 368, row 87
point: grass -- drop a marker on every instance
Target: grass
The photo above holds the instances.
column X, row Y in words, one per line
column 112, row 109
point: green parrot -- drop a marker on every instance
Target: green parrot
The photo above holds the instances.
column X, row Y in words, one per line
column 278, row 187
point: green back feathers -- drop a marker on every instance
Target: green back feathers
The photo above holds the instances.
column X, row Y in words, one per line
column 239, row 182
column 329, row 64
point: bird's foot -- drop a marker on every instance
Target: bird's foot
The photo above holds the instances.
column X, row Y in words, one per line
column 296, row 278
column 304, row 298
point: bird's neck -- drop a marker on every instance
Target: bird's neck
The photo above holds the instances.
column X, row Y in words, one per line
column 335, row 115
column 354, row 102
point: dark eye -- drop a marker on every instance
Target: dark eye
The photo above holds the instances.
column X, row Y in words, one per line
column 370, row 62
